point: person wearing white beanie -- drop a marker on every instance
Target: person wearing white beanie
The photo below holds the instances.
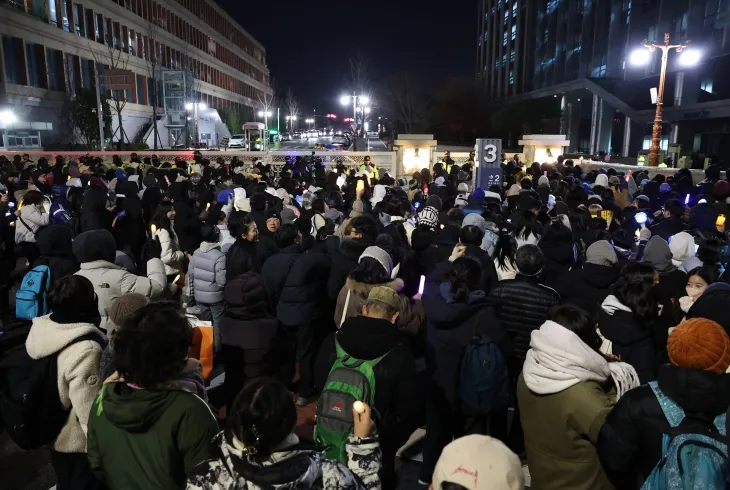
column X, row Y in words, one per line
column 564, row 397
column 682, row 246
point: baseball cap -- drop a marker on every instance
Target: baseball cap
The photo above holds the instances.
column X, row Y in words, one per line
column 479, row 462
column 385, row 295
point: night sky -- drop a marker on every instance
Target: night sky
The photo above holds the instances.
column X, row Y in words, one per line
column 309, row 43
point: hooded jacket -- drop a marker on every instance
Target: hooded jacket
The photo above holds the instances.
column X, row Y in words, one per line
column 96, row 252
column 187, row 222
column 682, row 247
column 522, row 305
column 632, row 342
column 59, row 212
column 208, row 273
column 252, row 344
column 32, row 218
column 94, row 214
column 291, row 468
column 630, row 441
column 55, row 246
column 410, row 319
column 559, row 258
column 450, row 325
column 672, row 281
column 667, row 228
column 142, row 438
column 78, row 367
column 344, row 261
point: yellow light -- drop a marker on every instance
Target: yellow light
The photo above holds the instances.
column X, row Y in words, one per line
column 414, row 159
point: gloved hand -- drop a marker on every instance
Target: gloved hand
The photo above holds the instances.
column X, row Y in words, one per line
column 644, row 235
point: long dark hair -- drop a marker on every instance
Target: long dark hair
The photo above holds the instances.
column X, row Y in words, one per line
column 577, row 321
column 160, row 219
column 464, row 276
column 369, row 271
column 528, row 225
column 635, row 289
column 506, row 250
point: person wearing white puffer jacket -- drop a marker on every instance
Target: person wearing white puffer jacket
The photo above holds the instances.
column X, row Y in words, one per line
column 95, row 250
column 171, row 255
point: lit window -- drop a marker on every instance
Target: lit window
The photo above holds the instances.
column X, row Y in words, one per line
column 504, row 59
column 514, row 9
column 512, row 56
column 504, row 39
column 511, row 77
column 514, row 32
column 706, row 85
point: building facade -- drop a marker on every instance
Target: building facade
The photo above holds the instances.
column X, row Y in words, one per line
column 578, row 52
column 136, row 49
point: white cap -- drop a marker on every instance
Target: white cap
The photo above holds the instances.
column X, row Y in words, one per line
column 479, row 462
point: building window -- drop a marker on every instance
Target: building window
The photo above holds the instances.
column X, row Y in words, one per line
column 87, row 70
column 514, row 9
column 35, row 63
column 679, row 25
column 706, row 85
column 64, row 13
column 150, row 92
column 141, row 99
column 90, row 28
column 512, row 56
column 52, row 16
column 78, row 19
column 506, row 16
column 514, row 32
column 496, row 63
column 54, row 60
column 504, row 59
column 486, row 35
column 511, row 77
column 504, row 39
column 651, row 36
column 14, row 69
column 99, row 28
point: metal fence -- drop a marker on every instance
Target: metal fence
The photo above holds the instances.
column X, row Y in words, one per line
column 277, row 159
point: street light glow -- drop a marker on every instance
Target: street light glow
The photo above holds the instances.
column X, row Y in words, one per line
column 202, row 106
column 189, row 106
column 689, row 57
column 367, row 110
column 7, row 116
column 345, row 100
column 364, row 99
column 640, row 57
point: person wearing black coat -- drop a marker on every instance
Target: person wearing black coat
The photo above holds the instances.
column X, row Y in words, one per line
column 252, row 340
column 471, row 237
column 129, row 227
column 630, row 441
column 398, row 396
column 672, row 222
column 588, row 287
column 242, row 256
column 187, row 221
column 560, row 252
column 55, row 246
column 630, row 324
column 422, row 261
column 94, row 213
column 523, row 303
column 672, row 281
column 344, row 260
column 294, row 281
column 456, row 311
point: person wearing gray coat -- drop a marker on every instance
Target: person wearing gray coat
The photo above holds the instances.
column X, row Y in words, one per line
column 207, row 272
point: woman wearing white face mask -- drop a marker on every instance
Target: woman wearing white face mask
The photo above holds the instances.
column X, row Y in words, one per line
column 698, row 281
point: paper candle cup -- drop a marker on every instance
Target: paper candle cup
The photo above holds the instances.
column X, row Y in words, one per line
column 359, row 407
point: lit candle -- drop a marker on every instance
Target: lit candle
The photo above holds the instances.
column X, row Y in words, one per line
column 153, row 228
column 207, row 206
column 359, row 407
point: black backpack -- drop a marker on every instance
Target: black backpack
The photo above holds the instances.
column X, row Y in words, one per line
column 30, row 406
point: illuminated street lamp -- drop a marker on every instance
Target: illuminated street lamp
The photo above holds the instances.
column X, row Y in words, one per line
column 195, row 107
column 352, row 99
column 290, row 120
column 7, row 117
column 266, row 115
column 641, row 56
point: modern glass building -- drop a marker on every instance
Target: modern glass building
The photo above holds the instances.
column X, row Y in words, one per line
column 578, row 51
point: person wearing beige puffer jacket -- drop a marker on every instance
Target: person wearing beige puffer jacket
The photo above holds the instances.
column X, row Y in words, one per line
column 74, row 314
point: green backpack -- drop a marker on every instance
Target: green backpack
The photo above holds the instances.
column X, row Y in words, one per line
column 349, row 380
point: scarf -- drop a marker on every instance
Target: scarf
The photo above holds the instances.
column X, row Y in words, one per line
column 559, row 359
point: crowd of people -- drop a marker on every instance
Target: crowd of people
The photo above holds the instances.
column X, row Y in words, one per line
column 572, row 319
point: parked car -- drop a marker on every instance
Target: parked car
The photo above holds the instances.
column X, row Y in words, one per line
column 285, row 137
column 297, row 134
column 237, row 141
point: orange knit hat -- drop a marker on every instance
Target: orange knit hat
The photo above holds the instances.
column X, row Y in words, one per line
column 700, row 343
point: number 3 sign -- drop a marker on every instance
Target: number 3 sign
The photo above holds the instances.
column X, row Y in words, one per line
column 489, row 160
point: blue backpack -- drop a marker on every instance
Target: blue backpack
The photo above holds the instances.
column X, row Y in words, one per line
column 30, row 298
column 484, row 381
column 691, row 458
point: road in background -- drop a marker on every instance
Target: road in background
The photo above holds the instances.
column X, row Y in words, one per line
column 372, row 144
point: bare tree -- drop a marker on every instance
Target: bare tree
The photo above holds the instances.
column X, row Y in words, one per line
column 152, row 57
column 116, row 58
column 292, row 107
column 406, row 103
column 358, row 81
column 266, row 100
